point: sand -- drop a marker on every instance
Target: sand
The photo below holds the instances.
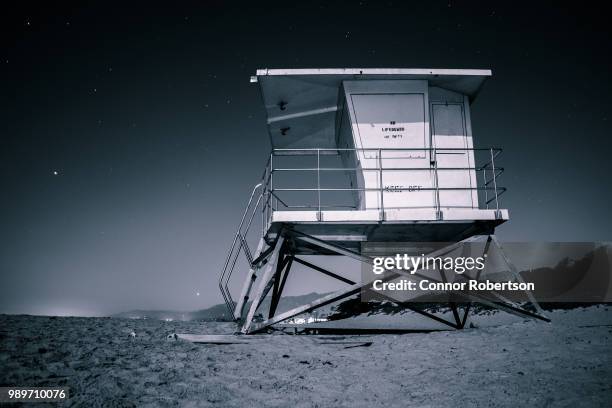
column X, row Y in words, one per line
column 518, row 363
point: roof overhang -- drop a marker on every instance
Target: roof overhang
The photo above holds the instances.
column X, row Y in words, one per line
column 301, row 104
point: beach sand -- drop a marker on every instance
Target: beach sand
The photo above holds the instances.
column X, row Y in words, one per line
column 517, row 363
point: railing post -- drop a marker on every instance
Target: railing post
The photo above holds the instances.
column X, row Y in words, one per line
column 435, row 162
column 271, row 182
column 380, row 182
column 484, row 178
column 319, row 215
column 266, row 196
column 272, row 198
column 494, row 182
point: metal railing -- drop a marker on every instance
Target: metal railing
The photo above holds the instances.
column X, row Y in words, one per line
column 239, row 244
column 488, row 191
column 268, row 195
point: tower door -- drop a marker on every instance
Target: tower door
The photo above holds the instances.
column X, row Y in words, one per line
column 452, row 157
column 397, row 125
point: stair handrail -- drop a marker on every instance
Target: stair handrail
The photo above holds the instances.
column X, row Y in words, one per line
column 243, row 244
column 224, row 288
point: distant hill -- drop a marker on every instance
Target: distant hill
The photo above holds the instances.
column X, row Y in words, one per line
column 216, row 313
column 569, row 284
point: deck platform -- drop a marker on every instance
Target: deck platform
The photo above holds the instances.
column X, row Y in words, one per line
column 351, row 228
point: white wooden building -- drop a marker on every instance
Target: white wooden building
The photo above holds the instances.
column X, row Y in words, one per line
column 361, row 156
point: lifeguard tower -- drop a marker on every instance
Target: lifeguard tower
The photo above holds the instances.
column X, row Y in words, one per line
column 361, row 156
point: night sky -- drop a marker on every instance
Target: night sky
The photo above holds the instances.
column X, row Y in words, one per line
column 131, row 137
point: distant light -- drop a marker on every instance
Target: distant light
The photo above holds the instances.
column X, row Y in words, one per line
column 55, row 172
column 197, row 293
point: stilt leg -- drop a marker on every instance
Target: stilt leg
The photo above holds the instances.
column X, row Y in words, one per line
column 279, row 284
column 265, row 284
column 516, row 274
column 248, row 284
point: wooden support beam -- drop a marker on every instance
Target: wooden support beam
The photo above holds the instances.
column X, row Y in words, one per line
column 248, row 284
column 279, row 285
column 356, row 287
column 264, row 285
column 302, row 114
column 516, row 274
column 325, row 300
column 324, row 271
